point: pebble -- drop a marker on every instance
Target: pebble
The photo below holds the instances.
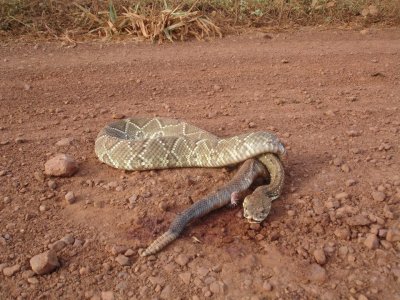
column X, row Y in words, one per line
column 70, row 197
column 319, row 256
column 57, row 246
column 118, row 116
column 378, row 196
column 343, row 251
column 52, row 184
column 122, row 260
column 129, row 252
column 166, row 292
column 65, row 142
column 107, row 295
column 317, row 273
column 362, row 297
column 185, row 277
column 267, row 286
column 10, row 271
column 342, row 196
column 61, row 165
column 202, row 272
column 182, row 259
column 68, row 239
column 33, row 280
column 217, row 287
column 163, row 206
column 44, row 263
column 345, row 168
column 393, row 234
column 372, row 241
column 342, row 233
column 337, row 161
column 351, row 182
column 358, row 220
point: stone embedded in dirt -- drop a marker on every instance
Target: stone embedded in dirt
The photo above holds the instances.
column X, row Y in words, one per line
column 57, row 246
column 118, row 116
column 65, row 142
column 166, row 293
column 267, row 286
column 117, row 249
column 342, row 233
column 345, row 168
column 10, row 271
column 44, row 263
column 107, row 295
column 358, row 220
column 122, row 260
column 217, row 287
column 185, row 277
column 362, row 297
column 378, row 196
column 252, row 125
column 52, row 184
column 342, row 196
column 372, row 241
column 343, row 251
column 316, row 273
column 62, row 165
column 129, row 252
column 393, row 234
column 337, row 161
column 68, row 239
column 320, row 256
column 163, row 206
column 70, row 197
column 351, row 182
column 182, row 259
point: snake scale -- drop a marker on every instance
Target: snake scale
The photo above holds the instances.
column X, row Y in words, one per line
column 160, row 143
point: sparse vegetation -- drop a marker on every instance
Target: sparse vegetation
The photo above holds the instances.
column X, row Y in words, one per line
column 176, row 20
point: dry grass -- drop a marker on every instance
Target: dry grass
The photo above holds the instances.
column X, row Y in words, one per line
column 161, row 20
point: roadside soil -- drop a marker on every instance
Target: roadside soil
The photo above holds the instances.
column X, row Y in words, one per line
column 332, row 97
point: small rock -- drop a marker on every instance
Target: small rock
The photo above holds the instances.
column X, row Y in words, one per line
column 358, row 220
column 202, row 272
column 217, row 287
column 350, row 182
column 44, row 263
column 107, row 295
column 61, row 165
column 345, row 168
column 70, row 197
column 317, row 273
column 57, row 246
column 342, row 196
column 52, row 184
column 33, row 280
column 342, row 233
column 182, row 259
column 337, row 161
column 129, row 252
column 319, row 256
column 362, row 297
column 378, row 196
column 163, row 206
column 68, row 239
column 118, row 116
column 252, row 125
column 185, row 277
column 122, row 260
column 65, row 142
column 393, row 234
column 166, row 293
column 10, row 271
column 267, row 286
column 372, row 241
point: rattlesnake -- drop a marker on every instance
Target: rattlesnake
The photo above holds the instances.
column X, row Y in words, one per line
column 160, row 143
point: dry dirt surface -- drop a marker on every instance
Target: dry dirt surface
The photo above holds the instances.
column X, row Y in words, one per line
column 333, row 97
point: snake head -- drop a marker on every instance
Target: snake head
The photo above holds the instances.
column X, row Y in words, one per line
column 256, row 206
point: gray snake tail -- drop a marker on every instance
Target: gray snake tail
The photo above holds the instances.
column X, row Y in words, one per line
column 248, row 172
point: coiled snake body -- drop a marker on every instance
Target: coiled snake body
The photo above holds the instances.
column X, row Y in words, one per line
column 159, row 143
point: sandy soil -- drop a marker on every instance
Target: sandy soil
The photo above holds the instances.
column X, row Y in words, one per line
column 331, row 96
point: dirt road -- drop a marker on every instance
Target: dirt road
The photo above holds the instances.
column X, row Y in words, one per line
column 332, row 96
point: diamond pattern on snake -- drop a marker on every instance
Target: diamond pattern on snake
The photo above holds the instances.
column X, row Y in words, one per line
column 161, row 143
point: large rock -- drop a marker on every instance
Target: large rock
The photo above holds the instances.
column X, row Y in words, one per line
column 61, row 165
column 44, row 263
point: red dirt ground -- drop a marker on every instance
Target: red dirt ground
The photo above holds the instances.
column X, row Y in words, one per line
column 331, row 96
